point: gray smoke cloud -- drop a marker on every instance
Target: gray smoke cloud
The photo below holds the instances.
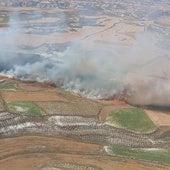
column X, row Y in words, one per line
column 139, row 71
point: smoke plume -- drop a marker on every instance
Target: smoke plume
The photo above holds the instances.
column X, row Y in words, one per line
column 140, row 71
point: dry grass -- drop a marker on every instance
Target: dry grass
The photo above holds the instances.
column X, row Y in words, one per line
column 81, row 108
column 159, row 118
column 35, row 86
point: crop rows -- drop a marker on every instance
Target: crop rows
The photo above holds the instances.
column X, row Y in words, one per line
column 81, row 108
column 75, row 127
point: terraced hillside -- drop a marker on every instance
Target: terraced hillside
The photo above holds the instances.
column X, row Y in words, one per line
column 107, row 49
column 76, row 129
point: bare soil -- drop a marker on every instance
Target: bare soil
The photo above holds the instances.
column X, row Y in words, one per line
column 32, row 152
column 159, row 118
column 35, row 86
column 32, row 144
column 10, row 96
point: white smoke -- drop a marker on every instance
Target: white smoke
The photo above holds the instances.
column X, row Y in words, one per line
column 95, row 70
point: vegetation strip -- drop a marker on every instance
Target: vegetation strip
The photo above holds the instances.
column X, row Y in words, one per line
column 8, row 86
column 152, row 154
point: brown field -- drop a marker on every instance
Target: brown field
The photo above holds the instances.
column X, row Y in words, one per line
column 159, row 118
column 49, row 161
column 35, row 86
column 112, row 30
column 107, row 109
column 80, row 108
column 31, row 96
column 32, row 152
column 31, row 144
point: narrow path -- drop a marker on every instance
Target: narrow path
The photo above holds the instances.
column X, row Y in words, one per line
column 106, row 29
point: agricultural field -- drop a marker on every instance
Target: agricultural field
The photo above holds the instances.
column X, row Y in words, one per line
column 8, row 86
column 149, row 154
column 81, row 108
column 23, row 108
column 132, row 119
column 68, row 131
column 72, row 74
column 55, row 153
column 160, row 118
column 31, row 96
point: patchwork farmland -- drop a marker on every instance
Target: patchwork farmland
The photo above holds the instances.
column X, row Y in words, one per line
column 70, row 126
column 84, row 85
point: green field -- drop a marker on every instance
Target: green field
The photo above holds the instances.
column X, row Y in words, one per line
column 8, row 86
column 132, row 119
column 156, row 155
column 24, row 108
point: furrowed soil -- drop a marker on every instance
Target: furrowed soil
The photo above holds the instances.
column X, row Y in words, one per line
column 33, row 152
column 159, row 118
column 31, row 96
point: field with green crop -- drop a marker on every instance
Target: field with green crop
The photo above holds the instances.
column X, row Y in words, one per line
column 132, row 119
column 151, row 154
column 24, row 108
column 8, row 86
